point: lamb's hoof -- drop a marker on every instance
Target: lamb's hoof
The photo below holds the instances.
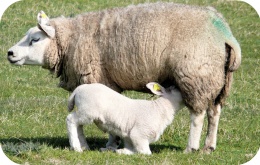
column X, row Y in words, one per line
column 107, row 149
column 103, row 149
column 124, row 151
column 146, row 153
column 85, row 148
column 78, row 149
column 208, row 149
column 189, row 150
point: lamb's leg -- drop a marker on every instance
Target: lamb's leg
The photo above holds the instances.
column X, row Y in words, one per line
column 140, row 144
column 113, row 142
column 213, row 120
column 82, row 140
column 72, row 127
column 195, row 131
column 128, row 148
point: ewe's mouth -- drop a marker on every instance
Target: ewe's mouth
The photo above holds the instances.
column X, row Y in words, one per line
column 16, row 62
column 12, row 62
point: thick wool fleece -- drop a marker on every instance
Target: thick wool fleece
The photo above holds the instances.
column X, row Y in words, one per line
column 124, row 48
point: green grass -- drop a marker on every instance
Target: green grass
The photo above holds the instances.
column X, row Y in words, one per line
column 33, row 109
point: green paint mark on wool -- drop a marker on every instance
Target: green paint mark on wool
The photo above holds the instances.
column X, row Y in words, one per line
column 220, row 25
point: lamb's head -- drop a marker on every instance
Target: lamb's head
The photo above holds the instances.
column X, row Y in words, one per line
column 172, row 93
column 30, row 49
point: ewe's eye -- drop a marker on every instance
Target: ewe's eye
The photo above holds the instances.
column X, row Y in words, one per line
column 33, row 40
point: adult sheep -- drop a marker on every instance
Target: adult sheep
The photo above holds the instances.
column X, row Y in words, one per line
column 190, row 47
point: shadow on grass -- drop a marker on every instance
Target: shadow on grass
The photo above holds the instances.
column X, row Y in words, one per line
column 157, row 148
column 17, row 146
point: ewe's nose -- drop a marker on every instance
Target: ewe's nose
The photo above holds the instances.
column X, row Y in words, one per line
column 10, row 53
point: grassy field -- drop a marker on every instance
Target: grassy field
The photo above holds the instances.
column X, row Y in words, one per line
column 33, row 109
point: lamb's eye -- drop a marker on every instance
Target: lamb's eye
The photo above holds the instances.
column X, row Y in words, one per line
column 33, row 40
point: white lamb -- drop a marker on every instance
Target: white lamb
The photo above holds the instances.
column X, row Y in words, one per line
column 137, row 122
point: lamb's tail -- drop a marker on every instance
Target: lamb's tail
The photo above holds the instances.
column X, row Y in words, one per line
column 71, row 101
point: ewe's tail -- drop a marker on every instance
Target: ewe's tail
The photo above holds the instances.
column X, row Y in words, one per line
column 233, row 46
column 233, row 54
column 233, row 50
column 71, row 101
column 233, row 61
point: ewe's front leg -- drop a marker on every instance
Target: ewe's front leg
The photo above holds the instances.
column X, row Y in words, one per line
column 195, row 131
column 213, row 120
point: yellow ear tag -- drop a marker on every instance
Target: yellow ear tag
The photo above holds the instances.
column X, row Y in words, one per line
column 43, row 15
column 156, row 87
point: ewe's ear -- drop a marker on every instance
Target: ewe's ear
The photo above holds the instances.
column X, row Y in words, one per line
column 43, row 24
column 156, row 88
column 49, row 30
column 42, row 18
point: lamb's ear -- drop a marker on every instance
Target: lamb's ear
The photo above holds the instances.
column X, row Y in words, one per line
column 156, row 88
column 43, row 24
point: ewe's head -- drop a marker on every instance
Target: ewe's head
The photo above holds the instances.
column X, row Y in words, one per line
column 171, row 93
column 30, row 49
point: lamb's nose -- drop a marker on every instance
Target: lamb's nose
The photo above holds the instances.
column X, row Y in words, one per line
column 10, row 53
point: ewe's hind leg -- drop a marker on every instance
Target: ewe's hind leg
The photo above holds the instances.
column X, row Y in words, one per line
column 73, row 128
column 195, row 131
column 213, row 120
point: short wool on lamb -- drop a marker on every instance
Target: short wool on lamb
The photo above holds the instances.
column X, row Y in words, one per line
column 121, row 116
